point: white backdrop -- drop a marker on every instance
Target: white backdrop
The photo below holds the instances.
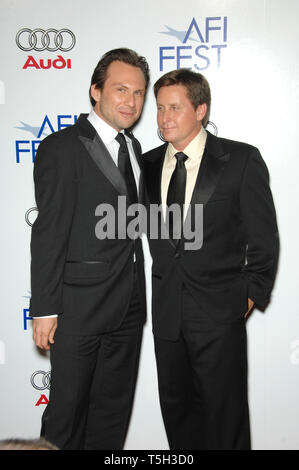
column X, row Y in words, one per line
column 248, row 50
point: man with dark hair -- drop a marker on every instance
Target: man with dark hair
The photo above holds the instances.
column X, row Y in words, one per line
column 203, row 293
column 124, row 55
column 90, row 292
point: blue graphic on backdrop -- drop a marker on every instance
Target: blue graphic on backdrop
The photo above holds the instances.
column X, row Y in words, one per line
column 26, row 318
column 202, row 45
column 33, row 130
column 28, row 148
column 180, row 35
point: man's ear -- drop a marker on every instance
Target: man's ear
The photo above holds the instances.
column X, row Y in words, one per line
column 201, row 111
column 95, row 93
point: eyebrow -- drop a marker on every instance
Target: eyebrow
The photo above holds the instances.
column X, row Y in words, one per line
column 119, row 84
column 125, row 86
column 168, row 104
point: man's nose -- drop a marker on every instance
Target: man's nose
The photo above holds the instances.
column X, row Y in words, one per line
column 166, row 115
column 130, row 100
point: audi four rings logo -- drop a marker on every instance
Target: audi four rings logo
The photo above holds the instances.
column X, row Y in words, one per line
column 40, row 380
column 213, row 128
column 50, row 39
column 31, row 214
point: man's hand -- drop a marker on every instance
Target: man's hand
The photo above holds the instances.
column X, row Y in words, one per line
column 43, row 331
column 250, row 307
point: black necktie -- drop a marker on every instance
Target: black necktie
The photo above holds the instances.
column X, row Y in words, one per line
column 125, row 167
column 176, row 192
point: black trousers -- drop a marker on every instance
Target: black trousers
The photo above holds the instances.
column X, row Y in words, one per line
column 92, row 385
column 202, row 381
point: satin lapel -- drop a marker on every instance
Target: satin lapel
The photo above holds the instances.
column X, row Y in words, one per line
column 212, row 165
column 100, row 155
column 154, row 176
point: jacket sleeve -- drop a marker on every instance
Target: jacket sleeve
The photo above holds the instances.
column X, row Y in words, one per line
column 55, row 194
column 259, row 218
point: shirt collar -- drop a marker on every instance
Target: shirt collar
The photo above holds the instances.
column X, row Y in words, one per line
column 105, row 131
column 194, row 149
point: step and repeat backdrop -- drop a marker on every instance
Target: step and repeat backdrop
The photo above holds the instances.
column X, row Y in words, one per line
column 249, row 52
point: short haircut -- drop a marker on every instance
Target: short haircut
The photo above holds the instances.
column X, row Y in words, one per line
column 197, row 88
column 128, row 56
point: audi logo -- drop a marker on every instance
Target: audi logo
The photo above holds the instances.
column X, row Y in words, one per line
column 40, row 380
column 28, row 215
column 50, row 39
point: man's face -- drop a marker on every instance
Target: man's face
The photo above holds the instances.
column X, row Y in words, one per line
column 121, row 99
column 177, row 119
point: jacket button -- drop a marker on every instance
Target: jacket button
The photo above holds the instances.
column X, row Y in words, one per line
column 177, row 255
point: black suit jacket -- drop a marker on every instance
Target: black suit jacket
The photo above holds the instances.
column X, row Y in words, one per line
column 239, row 253
column 89, row 281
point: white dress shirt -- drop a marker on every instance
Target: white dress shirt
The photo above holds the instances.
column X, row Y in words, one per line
column 108, row 135
column 194, row 152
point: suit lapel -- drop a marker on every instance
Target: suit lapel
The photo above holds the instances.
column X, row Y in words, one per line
column 153, row 187
column 213, row 163
column 154, row 176
column 99, row 154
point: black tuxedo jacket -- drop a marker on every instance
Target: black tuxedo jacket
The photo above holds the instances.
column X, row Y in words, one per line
column 239, row 253
column 89, row 281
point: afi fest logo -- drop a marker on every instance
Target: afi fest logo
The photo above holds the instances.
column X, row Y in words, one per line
column 197, row 47
column 50, row 40
column 28, row 147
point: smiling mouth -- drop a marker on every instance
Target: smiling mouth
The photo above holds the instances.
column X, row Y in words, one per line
column 127, row 113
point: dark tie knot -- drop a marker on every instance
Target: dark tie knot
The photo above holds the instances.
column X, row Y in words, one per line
column 181, row 158
column 123, row 149
column 121, row 139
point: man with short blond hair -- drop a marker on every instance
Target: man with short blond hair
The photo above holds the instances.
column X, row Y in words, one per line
column 202, row 294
